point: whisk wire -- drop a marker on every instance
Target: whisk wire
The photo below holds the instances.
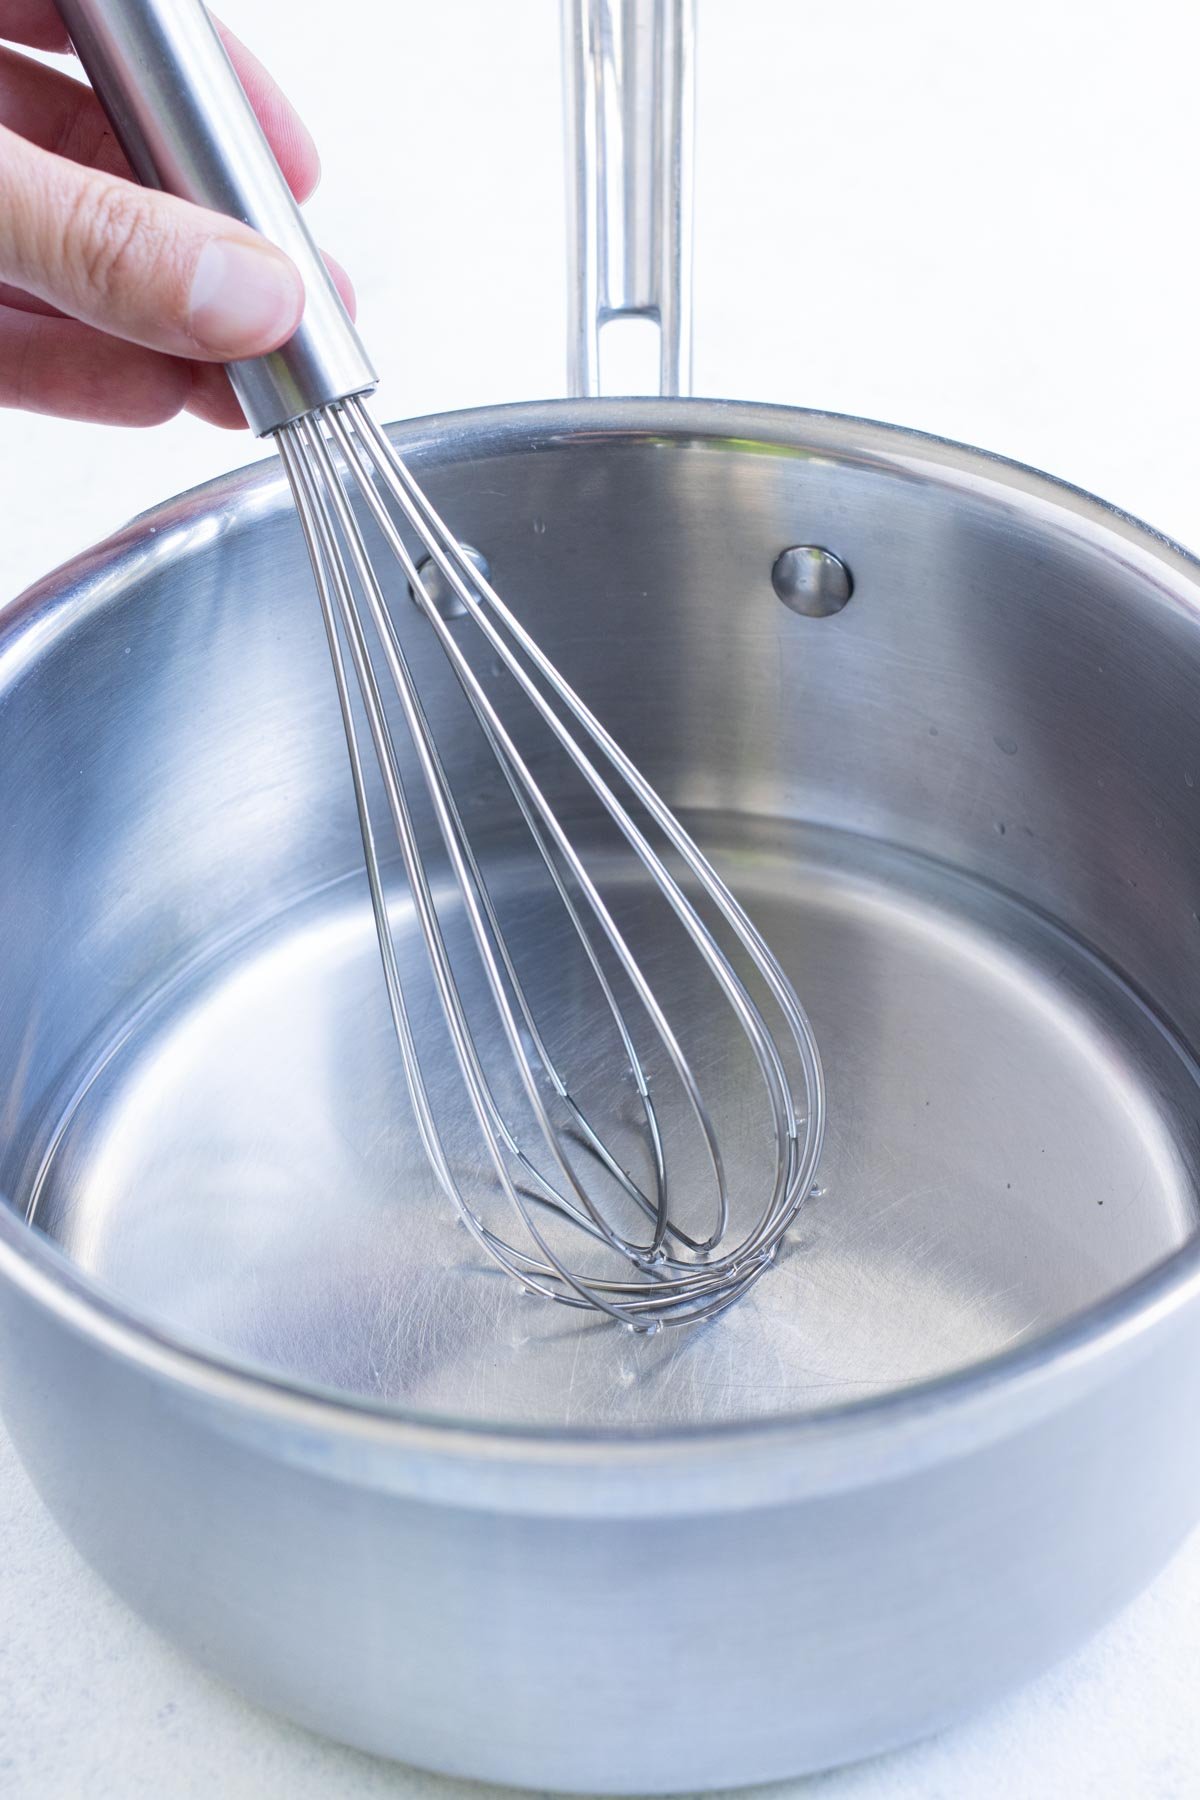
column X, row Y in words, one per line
column 519, row 778
column 438, row 787
column 334, row 591
column 662, row 1286
column 449, row 558
column 332, row 507
column 472, row 588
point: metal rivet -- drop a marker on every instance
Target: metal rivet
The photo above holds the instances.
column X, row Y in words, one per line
column 441, row 594
column 811, row 581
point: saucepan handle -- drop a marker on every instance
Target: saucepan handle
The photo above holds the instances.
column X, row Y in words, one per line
column 629, row 118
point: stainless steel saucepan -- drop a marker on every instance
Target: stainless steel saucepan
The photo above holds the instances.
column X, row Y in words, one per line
column 935, row 716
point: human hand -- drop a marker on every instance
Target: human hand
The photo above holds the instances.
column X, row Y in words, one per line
column 119, row 304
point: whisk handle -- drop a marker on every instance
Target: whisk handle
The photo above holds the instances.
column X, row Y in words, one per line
column 182, row 117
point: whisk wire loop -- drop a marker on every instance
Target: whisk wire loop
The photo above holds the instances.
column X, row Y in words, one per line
column 676, row 1276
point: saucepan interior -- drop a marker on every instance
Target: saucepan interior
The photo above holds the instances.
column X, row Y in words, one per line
column 963, row 809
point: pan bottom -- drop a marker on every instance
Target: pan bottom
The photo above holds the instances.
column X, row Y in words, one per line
column 1010, row 1139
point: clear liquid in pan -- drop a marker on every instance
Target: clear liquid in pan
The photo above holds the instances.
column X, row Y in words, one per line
column 1003, row 1150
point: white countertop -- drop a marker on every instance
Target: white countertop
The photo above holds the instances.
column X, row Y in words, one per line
column 976, row 221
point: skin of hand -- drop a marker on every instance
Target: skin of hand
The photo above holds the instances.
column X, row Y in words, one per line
column 119, row 304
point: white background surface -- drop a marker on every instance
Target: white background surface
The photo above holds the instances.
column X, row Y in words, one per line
column 976, row 220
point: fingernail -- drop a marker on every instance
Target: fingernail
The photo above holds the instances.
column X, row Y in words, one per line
column 244, row 300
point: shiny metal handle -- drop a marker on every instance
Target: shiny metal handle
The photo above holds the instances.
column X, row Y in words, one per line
column 629, row 117
column 181, row 114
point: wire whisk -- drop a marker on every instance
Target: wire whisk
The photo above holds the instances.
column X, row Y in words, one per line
column 674, row 1275
column 659, row 1246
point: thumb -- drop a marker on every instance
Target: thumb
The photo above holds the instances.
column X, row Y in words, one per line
column 139, row 264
